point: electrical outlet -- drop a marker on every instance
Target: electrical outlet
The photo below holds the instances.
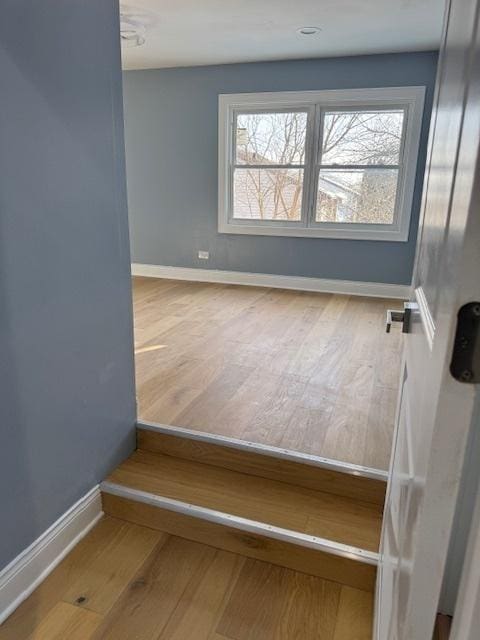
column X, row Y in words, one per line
column 203, row 255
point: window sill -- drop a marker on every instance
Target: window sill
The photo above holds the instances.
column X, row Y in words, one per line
column 333, row 232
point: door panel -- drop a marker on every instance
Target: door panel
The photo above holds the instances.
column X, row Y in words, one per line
column 434, row 413
column 402, row 470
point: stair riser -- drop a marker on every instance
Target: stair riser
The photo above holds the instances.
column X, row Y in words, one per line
column 325, row 565
column 275, row 468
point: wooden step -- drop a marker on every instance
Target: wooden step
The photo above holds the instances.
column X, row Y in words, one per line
column 317, row 532
column 311, row 472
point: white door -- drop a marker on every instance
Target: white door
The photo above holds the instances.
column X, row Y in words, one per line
column 435, row 410
column 466, row 617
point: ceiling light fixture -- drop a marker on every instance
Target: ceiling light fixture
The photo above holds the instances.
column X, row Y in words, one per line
column 308, row 31
column 132, row 32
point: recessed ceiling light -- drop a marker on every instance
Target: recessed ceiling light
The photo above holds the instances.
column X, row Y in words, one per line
column 308, row 31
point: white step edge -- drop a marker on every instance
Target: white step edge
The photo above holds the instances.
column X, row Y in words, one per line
column 298, row 283
column 23, row 575
column 243, row 524
column 266, row 450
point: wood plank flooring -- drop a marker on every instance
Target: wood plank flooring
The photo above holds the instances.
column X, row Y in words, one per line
column 254, row 463
column 317, row 513
column 125, row 582
column 346, row 570
column 309, row 372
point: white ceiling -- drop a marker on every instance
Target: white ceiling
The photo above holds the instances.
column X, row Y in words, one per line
column 200, row 32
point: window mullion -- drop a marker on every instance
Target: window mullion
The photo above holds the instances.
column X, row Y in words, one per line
column 352, row 167
column 307, row 173
column 269, row 166
column 316, row 159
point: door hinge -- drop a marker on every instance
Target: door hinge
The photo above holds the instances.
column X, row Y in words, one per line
column 465, row 364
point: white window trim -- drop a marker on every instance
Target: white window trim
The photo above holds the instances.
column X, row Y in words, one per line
column 410, row 98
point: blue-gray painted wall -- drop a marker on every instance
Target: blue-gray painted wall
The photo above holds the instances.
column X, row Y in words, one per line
column 171, row 144
column 67, row 402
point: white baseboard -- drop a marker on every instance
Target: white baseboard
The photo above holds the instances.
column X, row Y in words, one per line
column 322, row 285
column 23, row 575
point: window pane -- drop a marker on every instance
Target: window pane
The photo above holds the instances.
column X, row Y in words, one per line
column 271, row 138
column 362, row 137
column 268, row 194
column 361, row 195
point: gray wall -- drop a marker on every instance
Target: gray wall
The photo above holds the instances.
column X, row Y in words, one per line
column 67, row 402
column 171, row 143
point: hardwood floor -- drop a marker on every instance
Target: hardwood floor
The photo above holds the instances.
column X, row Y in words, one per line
column 262, row 518
column 125, row 582
column 175, row 442
column 305, row 371
column 325, row 515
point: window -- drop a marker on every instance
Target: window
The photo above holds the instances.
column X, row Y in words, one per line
column 269, row 165
column 337, row 164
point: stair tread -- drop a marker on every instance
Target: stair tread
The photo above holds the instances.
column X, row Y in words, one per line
column 336, row 518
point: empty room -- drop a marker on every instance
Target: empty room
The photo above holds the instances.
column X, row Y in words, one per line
column 240, row 320
column 273, row 212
